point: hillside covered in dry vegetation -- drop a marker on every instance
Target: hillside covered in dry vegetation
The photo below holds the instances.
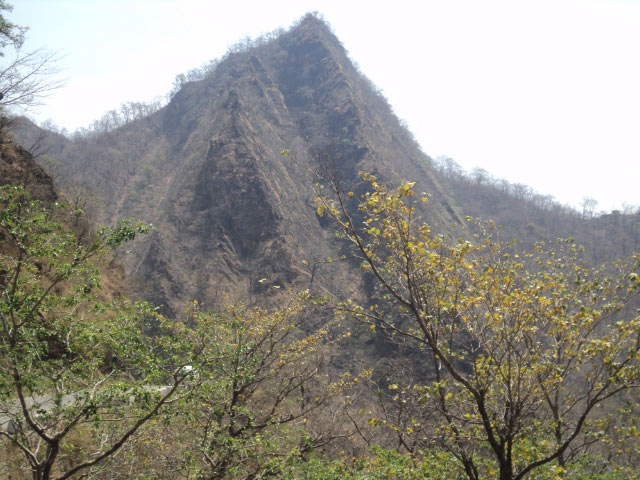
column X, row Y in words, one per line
column 323, row 300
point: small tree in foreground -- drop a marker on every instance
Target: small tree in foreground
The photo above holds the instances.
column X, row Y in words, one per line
column 261, row 395
column 523, row 349
column 77, row 377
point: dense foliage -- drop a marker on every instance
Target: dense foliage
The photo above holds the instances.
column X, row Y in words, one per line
column 68, row 363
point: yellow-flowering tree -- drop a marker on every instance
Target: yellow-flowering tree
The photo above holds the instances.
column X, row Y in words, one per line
column 521, row 348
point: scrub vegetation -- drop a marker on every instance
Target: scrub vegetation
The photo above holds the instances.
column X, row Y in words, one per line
column 300, row 310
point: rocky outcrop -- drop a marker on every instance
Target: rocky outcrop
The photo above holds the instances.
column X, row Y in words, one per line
column 18, row 167
column 234, row 217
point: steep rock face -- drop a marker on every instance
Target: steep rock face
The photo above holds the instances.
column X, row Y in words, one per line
column 17, row 167
column 207, row 169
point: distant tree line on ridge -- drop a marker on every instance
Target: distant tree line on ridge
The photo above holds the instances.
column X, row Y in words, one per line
column 452, row 171
column 533, row 217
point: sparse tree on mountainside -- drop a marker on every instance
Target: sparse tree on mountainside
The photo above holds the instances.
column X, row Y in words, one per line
column 588, row 205
column 523, row 348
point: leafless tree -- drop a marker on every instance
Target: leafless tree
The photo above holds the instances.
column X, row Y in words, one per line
column 28, row 77
column 25, row 77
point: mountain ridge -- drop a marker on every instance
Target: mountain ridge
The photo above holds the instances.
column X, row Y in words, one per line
column 207, row 170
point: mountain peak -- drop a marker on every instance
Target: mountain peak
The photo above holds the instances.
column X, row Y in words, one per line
column 313, row 20
column 207, row 170
column 311, row 25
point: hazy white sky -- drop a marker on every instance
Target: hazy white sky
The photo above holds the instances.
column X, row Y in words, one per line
column 545, row 93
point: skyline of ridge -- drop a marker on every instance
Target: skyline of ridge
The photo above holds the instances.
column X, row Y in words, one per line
column 554, row 155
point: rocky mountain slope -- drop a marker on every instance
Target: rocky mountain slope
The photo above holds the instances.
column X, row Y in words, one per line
column 18, row 167
column 235, row 217
column 531, row 217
